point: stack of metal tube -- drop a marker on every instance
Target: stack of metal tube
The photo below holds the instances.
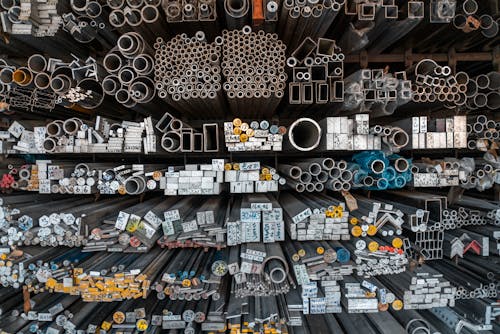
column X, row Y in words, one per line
column 484, row 92
column 188, row 74
column 482, row 133
column 302, row 19
column 469, row 20
column 75, row 135
column 314, row 174
column 130, row 65
column 343, row 133
column 254, row 67
column 39, row 19
column 317, row 72
column 376, row 91
column 466, row 172
column 44, row 82
column 433, row 133
column 435, row 84
column 376, row 170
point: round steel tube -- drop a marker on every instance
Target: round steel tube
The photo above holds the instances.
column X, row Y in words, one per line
column 304, row 134
column 42, row 80
column 37, row 63
column 111, row 84
column 494, row 80
column 482, row 81
column 93, row 9
column 96, row 97
column 6, row 75
column 22, row 76
column 493, row 100
column 171, row 141
column 117, row 18
column 150, row 14
column 112, row 62
column 470, row 7
column 399, row 138
column 71, row 126
column 49, row 144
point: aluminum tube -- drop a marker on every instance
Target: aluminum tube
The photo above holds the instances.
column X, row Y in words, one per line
column 95, row 93
column 236, row 13
column 55, row 128
column 22, row 76
column 494, row 80
column 42, row 80
column 292, row 171
column 117, row 18
column 470, row 7
column 492, row 31
column 482, row 81
column 37, row 63
column 72, row 125
column 111, row 84
column 493, row 100
column 304, row 134
column 171, row 141
column 6, row 75
column 61, row 83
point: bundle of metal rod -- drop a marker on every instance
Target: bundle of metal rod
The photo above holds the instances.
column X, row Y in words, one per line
column 386, row 260
column 255, row 218
column 191, row 83
column 468, row 20
column 180, row 137
column 432, row 133
column 426, row 290
column 373, row 216
column 343, row 133
column 75, row 135
column 51, row 229
column 465, row 172
column 240, row 136
column 319, row 261
column 314, row 217
column 130, row 67
column 435, row 84
column 189, row 277
column 39, row 19
column 74, row 83
column 482, row 133
column 47, row 176
column 376, row 91
column 256, row 314
column 262, row 270
column 203, row 226
column 32, row 267
column 250, row 177
column 254, row 67
column 194, row 179
column 135, row 229
column 301, row 20
column 317, row 72
column 376, row 170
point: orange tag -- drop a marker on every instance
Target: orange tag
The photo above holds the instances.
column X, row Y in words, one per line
column 350, row 201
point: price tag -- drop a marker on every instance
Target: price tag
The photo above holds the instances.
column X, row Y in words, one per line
column 153, row 219
column 168, row 228
column 122, row 220
column 172, row 215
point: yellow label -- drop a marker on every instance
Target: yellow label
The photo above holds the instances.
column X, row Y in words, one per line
column 397, row 243
column 373, row 246
column 397, row 305
column 372, row 230
column 356, row 231
column 106, row 325
column 320, row 250
column 119, row 317
column 141, row 325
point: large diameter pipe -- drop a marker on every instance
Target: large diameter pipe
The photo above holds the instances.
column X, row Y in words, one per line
column 304, row 134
